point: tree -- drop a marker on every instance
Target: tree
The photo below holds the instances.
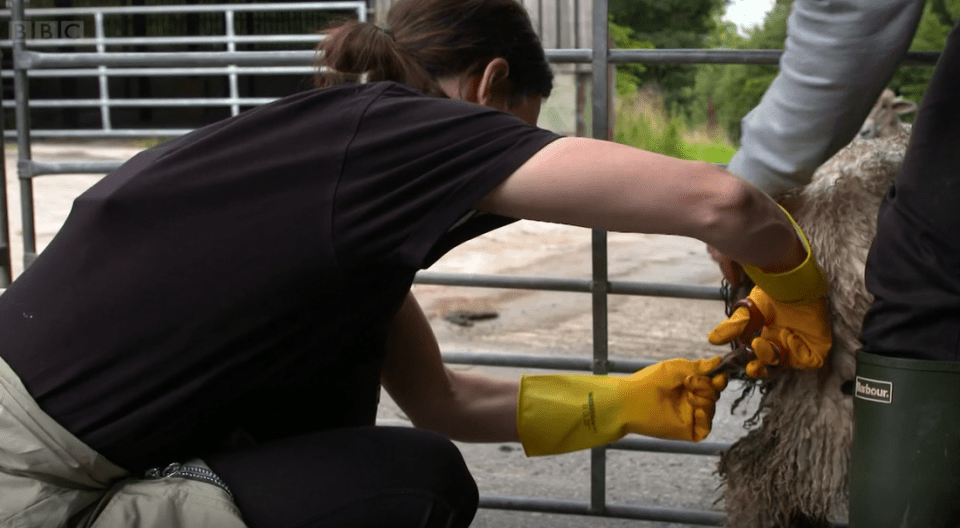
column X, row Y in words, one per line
column 629, row 76
column 939, row 16
column 725, row 93
column 668, row 24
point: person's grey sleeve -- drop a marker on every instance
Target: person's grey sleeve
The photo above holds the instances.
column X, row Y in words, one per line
column 838, row 57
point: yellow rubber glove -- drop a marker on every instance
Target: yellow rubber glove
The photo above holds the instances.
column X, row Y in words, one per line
column 794, row 310
column 801, row 334
column 567, row 412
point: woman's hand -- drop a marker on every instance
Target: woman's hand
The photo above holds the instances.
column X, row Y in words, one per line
column 797, row 336
column 673, row 399
column 796, row 327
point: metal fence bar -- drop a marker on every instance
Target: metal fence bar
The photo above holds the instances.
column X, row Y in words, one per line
column 171, row 72
column 648, row 513
column 721, row 56
column 31, row 169
column 675, row 447
column 703, row 56
column 498, row 359
column 644, row 513
column 98, row 133
column 6, row 270
column 173, row 41
column 600, row 285
column 359, row 6
column 127, row 102
column 23, row 63
column 21, row 86
column 41, row 60
column 28, row 59
column 681, row 291
column 102, row 77
column 232, row 69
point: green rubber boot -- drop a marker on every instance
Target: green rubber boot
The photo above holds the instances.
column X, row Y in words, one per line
column 905, row 466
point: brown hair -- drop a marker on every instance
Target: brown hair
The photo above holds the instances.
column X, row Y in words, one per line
column 425, row 40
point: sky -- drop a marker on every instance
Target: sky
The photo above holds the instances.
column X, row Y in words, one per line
column 747, row 13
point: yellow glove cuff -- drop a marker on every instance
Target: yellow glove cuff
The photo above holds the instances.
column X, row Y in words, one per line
column 801, row 285
column 568, row 412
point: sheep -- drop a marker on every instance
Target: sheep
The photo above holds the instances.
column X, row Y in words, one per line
column 791, row 467
column 884, row 119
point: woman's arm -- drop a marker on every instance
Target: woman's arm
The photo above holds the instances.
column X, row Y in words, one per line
column 668, row 400
column 463, row 406
column 605, row 185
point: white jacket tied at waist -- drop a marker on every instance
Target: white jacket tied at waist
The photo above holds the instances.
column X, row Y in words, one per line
column 50, row 479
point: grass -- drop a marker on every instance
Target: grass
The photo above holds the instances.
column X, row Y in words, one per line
column 642, row 122
column 712, row 152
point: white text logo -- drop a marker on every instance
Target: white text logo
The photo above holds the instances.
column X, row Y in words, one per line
column 874, row 390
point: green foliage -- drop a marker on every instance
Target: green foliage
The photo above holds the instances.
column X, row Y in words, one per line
column 642, row 122
column 717, row 151
column 668, row 24
column 726, row 93
column 640, row 131
column 938, row 18
column 629, row 76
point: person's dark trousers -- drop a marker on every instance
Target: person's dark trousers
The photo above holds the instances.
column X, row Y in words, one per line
column 351, row 478
column 905, row 461
column 913, row 269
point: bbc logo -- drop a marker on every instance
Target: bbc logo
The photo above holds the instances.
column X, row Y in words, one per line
column 46, row 29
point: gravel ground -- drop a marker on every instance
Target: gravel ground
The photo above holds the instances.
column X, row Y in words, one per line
column 546, row 323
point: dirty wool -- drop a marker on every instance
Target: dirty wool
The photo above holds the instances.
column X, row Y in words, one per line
column 790, row 469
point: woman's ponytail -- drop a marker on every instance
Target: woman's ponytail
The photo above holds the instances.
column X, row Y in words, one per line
column 437, row 39
column 363, row 52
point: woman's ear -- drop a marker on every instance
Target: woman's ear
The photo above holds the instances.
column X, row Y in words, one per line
column 490, row 90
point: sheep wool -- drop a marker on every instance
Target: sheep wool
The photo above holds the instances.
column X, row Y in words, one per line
column 790, row 469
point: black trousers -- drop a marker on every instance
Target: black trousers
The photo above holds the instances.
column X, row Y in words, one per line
column 913, row 269
column 351, row 477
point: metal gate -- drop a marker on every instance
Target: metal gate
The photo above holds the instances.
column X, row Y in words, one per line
column 102, row 64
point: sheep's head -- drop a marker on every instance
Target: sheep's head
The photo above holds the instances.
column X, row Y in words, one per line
column 884, row 118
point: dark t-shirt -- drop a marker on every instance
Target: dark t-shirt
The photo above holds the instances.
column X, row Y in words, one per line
column 242, row 276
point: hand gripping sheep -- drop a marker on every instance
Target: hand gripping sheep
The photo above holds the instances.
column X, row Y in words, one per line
column 790, row 470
